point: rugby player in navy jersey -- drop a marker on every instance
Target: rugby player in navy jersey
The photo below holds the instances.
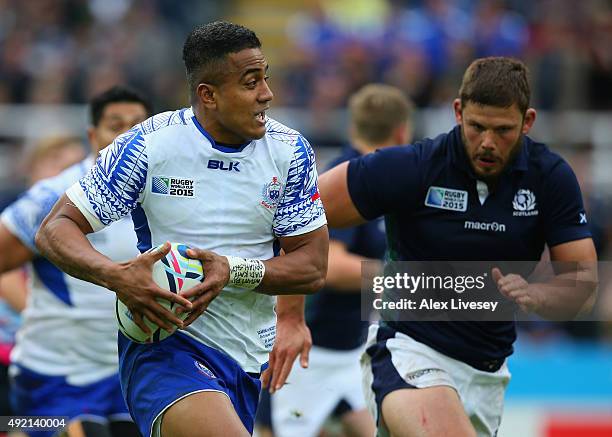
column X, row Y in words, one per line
column 379, row 118
column 449, row 378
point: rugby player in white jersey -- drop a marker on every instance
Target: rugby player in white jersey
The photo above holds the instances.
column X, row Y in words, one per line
column 237, row 187
column 65, row 359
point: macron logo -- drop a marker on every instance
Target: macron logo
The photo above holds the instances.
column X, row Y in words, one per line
column 484, row 226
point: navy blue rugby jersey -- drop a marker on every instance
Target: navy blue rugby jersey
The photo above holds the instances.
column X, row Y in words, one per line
column 334, row 317
column 537, row 200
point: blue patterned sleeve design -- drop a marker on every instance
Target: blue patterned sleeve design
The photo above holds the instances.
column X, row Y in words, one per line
column 300, row 210
column 23, row 217
column 114, row 184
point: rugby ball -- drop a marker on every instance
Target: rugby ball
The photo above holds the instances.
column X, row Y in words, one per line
column 175, row 272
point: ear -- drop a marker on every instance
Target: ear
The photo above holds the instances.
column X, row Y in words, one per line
column 530, row 116
column 207, row 95
column 457, row 108
column 402, row 133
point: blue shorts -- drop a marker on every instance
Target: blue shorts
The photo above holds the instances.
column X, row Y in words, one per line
column 154, row 376
column 35, row 394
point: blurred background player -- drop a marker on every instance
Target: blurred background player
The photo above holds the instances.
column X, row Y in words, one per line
column 47, row 158
column 449, row 377
column 64, row 362
column 379, row 117
column 51, row 155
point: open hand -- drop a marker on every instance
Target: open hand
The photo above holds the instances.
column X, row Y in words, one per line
column 292, row 339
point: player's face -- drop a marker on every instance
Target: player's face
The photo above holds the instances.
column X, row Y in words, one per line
column 492, row 135
column 242, row 99
column 116, row 119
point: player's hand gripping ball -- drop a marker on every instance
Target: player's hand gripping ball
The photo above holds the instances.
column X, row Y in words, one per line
column 175, row 272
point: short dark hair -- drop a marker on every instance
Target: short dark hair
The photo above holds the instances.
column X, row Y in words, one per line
column 377, row 110
column 210, row 43
column 116, row 94
column 496, row 81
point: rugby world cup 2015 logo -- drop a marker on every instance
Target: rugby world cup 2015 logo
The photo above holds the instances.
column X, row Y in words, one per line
column 271, row 192
column 160, row 184
column 524, row 203
column 173, row 186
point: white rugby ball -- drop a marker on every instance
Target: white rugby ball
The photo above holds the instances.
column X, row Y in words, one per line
column 175, row 272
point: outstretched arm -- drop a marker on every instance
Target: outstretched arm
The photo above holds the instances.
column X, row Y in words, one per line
column 339, row 207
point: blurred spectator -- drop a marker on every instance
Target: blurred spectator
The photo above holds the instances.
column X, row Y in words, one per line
column 498, row 30
column 54, row 51
column 423, row 46
column 600, row 55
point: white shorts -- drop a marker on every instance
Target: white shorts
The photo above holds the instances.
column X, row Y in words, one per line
column 401, row 362
column 301, row 407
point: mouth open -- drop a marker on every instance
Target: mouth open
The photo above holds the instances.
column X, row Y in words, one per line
column 486, row 161
column 261, row 117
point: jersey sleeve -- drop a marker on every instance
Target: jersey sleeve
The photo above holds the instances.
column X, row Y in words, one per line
column 115, row 183
column 565, row 218
column 385, row 181
column 24, row 216
column 300, row 209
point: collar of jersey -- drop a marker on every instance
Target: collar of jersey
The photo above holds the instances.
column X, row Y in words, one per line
column 459, row 157
column 213, row 143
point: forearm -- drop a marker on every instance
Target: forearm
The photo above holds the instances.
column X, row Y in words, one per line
column 566, row 296
column 294, row 273
column 13, row 289
column 13, row 252
column 302, row 269
column 62, row 242
column 290, row 307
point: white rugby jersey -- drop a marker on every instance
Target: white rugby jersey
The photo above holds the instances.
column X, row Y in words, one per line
column 181, row 186
column 69, row 325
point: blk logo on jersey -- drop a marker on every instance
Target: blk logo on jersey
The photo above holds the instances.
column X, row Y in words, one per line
column 447, row 198
column 169, row 186
column 524, row 204
column 271, row 192
column 215, row 164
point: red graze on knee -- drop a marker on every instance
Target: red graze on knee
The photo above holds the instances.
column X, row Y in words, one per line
column 423, row 417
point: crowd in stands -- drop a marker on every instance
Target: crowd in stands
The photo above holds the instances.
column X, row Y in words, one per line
column 56, row 51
